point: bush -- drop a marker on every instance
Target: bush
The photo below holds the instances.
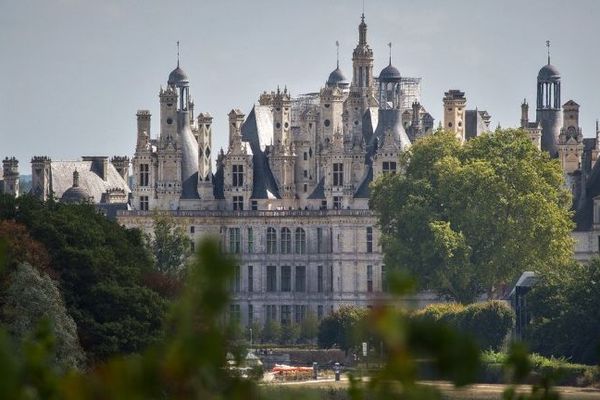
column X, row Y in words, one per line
column 342, row 328
column 489, row 322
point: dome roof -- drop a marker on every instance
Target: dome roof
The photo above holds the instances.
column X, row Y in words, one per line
column 389, row 73
column 75, row 194
column 337, row 78
column 178, row 78
column 548, row 72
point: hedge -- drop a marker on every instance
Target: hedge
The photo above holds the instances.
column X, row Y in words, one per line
column 488, row 322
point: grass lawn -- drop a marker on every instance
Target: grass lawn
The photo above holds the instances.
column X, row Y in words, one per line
column 329, row 390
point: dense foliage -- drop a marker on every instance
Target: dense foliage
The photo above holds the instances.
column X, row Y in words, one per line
column 565, row 305
column 169, row 244
column 191, row 360
column 468, row 219
column 489, row 323
column 100, row 268
column 31, row 297
column 342, row 328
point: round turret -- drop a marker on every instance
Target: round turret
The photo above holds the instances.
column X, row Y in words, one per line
column 389, row 74
column 178, row 78
column 337, row 78
column 548, row 73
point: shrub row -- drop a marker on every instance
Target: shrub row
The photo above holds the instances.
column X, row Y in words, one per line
column 488, row 322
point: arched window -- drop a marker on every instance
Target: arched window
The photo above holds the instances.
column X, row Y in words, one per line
column 271, row 241
column 300, row 241
column 286, row 241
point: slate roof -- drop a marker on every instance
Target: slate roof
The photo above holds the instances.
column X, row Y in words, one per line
column 474, row 124
column 363, row 190
column 319, row 192
column 90, row 178
column 256, row 130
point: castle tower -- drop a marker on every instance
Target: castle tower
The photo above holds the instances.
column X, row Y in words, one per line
column 205, row 189
column 454, row 113
column 10, row 172
column 41, row 177
column 389, row 86
column 360, row 97
column 237, row 166
column 331, row 113
column 281, row 120
column 143, row 129
column 570, row 140
column 548, row 106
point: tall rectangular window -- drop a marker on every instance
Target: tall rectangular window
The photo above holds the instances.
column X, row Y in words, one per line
column 320, row 312
column 300, row 282
column 330, row 278
column 320, row 240
column 338, row 174
column 337, row 202
column 144, row 175
column 320, row 279
column 237, row 175
column 384, row 285
column 300, row 241
column 238, row 203
column 271, row 278
column 250, row 314
column 286, row 315
column 369, row 239
column 299, row 313
column 250, row 278
column 235, row 246
column 389, row 167
column 271, row 312
column 254, row 205
column 286, row 241
column 144, row 203
column 369, row 278
column 286, row 279
column 236, row 283
column 271, row 240
column 250, row 240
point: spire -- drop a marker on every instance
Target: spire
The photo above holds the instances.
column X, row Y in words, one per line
column 390, row 46
column 362, row 17
column 337, row 45
column 362, row 31
column 548, row 46
column 178, row 54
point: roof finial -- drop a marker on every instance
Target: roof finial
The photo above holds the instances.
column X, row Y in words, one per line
column 178, row 54
column 362, row 18
column 390, row 46
column 548, row 46
column 337, row 55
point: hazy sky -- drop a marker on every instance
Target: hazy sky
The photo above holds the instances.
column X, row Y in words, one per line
column 73, row 73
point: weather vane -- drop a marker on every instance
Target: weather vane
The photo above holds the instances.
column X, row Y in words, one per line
column 337, row 45
column 548, row 46
column 390, row 46
column 178, row 54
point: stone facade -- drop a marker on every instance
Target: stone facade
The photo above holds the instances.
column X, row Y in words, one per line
column 289, row 195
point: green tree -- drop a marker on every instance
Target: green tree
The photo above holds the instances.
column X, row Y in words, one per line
column 309, row 327
column 271, row 332
column 343, row 328
column 32, row 296
column 290, row 333
column 101, row 267
column 565, row 305
column 467, row 220
column 169, row 245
